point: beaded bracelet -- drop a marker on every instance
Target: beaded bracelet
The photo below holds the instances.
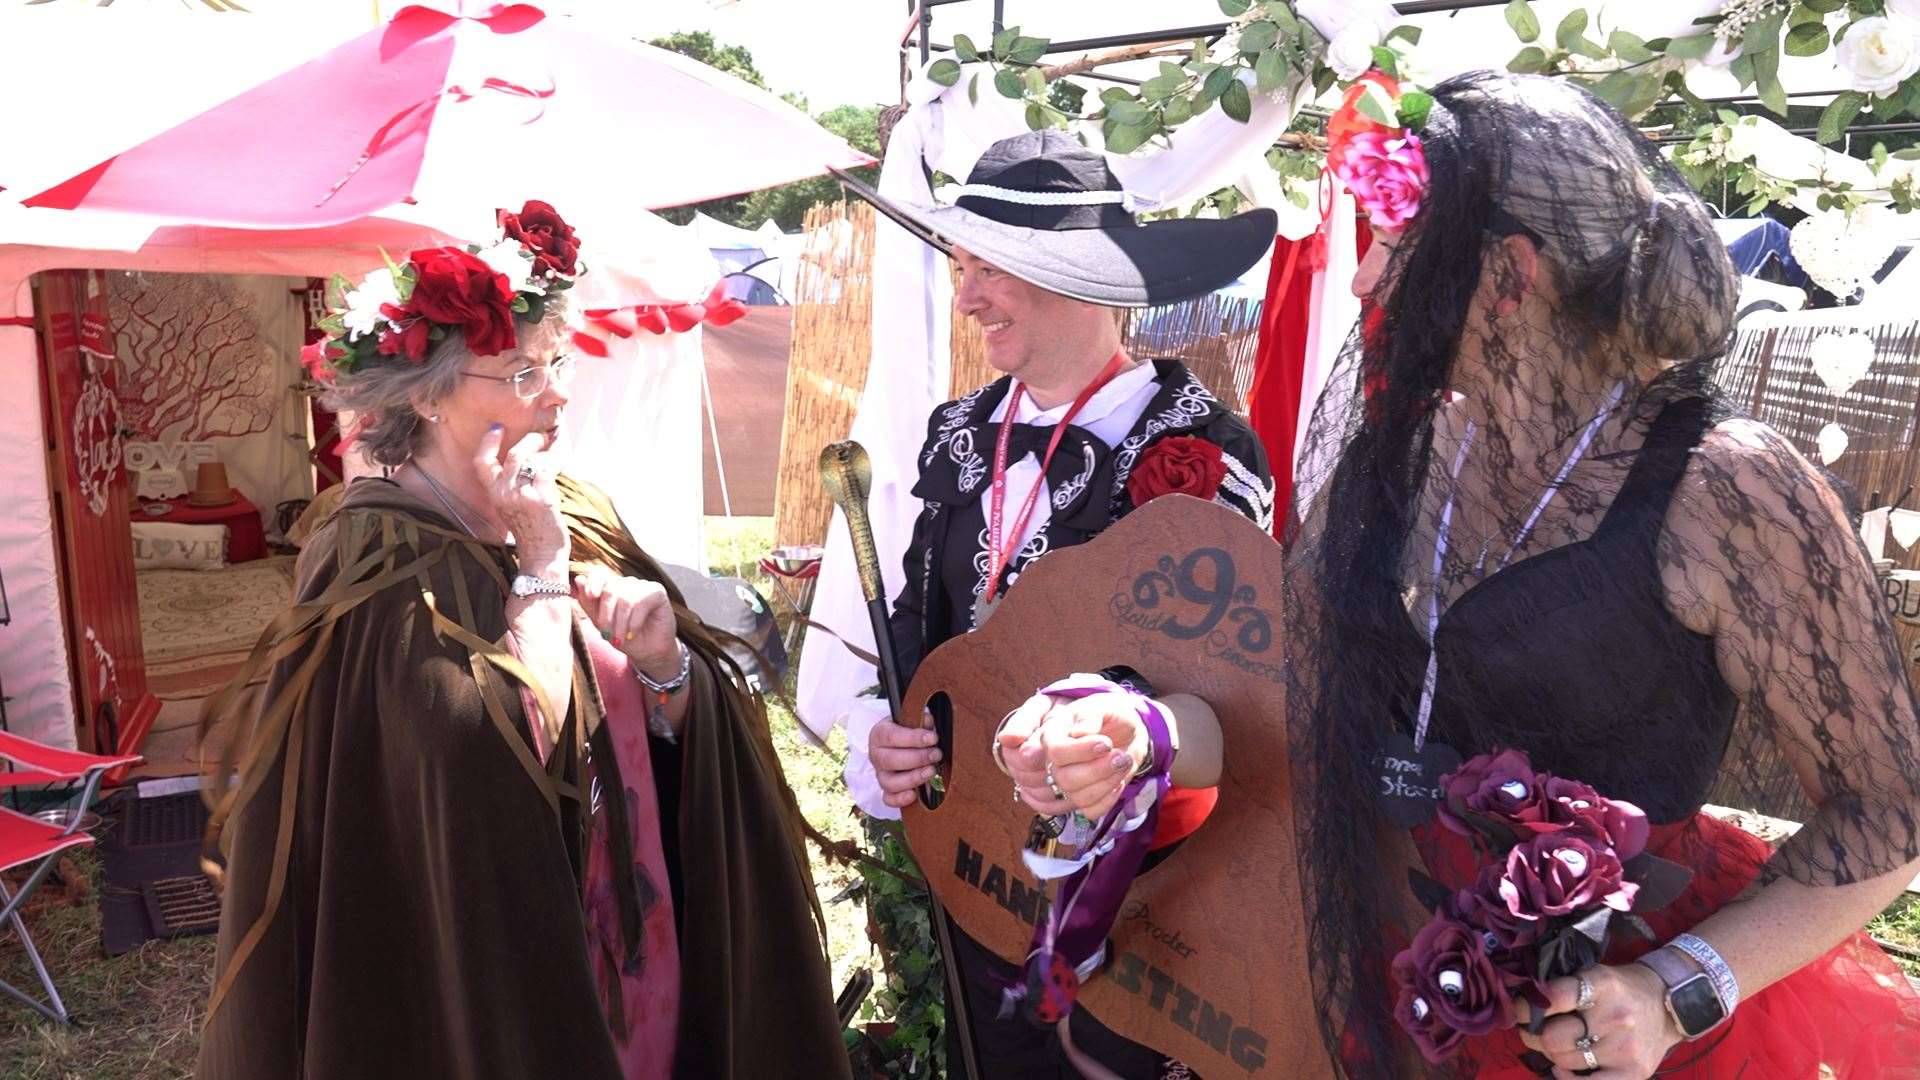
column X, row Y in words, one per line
column 1725, row 986
column 657, row 723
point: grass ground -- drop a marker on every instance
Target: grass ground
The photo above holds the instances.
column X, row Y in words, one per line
column 1899, row 930
column 137, row 1015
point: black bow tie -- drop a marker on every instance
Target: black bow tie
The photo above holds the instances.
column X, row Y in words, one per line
column 1078, row 478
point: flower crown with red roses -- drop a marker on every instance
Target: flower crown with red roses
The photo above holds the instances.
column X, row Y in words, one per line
column 401, row 310
column 1373, row 146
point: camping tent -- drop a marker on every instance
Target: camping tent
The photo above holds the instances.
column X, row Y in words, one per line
column 651, row 384
column 762, row 261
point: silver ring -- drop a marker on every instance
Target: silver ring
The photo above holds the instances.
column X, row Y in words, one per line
column 526, row 475
column 1585, row 1000
column 1585, row 1045
column 1053, row 785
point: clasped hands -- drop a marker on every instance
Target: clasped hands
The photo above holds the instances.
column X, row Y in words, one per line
column 1093, row 745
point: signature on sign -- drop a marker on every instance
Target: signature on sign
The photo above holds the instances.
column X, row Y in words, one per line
column 1198, row 597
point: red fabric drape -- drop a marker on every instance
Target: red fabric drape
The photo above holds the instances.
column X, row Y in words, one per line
column 1273, row 403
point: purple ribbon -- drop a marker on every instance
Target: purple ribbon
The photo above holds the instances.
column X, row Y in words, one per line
column 1069, row 943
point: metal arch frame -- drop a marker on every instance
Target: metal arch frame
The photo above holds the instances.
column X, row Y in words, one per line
column 920, row 14
column 921, row 24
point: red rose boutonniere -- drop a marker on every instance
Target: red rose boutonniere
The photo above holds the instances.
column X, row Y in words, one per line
column 1180, row 465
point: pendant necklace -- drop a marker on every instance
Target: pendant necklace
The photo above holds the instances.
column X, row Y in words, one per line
column 1411, row 767
column 442, row 496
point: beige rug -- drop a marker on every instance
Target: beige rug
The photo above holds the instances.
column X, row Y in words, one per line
column 199, row 625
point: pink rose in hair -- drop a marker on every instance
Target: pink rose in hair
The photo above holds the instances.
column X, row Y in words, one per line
column 1387, row 174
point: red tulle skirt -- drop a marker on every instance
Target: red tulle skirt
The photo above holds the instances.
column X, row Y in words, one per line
column 1849, row 1015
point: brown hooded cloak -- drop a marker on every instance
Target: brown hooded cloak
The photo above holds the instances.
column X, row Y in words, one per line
column 402, row 890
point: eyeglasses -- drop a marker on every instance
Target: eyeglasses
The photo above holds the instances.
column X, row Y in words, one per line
column 531, row 382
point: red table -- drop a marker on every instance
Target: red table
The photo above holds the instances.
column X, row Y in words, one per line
column 246, row 537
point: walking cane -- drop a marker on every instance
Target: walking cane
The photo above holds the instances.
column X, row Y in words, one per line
column 847, row 474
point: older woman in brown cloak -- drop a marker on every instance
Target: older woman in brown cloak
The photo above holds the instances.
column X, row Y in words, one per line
column 505, row 808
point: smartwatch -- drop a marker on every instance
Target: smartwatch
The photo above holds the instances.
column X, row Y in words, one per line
column 1692, row 1001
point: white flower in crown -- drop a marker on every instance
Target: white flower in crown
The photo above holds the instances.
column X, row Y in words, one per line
column 510, row 257
column 1879, row 53
column 1909, row 8
column 362, row 315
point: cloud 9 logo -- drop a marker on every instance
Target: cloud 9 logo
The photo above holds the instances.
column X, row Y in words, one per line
column 1200, row 597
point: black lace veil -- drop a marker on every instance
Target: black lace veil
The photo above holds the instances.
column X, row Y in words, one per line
column 1754, row 560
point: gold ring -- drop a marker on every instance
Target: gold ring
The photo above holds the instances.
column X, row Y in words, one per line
column 628, row 636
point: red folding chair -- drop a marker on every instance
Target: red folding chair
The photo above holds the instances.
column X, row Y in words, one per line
column 28, row 840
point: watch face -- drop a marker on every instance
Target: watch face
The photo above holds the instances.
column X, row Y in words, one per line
column 1696, row 1006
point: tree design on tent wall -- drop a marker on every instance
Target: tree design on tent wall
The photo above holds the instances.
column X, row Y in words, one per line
column 191, row 361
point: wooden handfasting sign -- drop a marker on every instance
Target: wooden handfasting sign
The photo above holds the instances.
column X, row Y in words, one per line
column 1207, row 959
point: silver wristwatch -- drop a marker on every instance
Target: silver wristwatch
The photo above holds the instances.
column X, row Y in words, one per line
column 527, row 585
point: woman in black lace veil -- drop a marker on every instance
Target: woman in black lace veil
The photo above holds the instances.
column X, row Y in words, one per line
column 1521, row 486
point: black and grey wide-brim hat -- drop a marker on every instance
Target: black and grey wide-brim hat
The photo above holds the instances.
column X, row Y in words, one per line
column 1049, row 211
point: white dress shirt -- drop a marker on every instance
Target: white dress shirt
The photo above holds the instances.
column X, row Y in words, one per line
column 1109, row 415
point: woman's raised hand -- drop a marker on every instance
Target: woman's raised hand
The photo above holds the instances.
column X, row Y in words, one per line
column 525, row 499
column 636, row 615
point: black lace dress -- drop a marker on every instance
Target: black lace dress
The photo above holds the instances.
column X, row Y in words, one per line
column 1576, row 656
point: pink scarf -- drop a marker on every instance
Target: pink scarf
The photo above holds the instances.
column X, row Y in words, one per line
column 642, row 1005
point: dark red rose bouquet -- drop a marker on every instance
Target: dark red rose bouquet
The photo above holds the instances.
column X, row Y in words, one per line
column 1179, row 464
column 1564, row 873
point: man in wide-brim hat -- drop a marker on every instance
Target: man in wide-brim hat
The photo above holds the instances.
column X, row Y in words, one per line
column 1046, row 243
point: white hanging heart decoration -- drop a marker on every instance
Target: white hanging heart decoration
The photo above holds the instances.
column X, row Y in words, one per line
column 1905, row 526
column 1832, row 443
column 1840, row 251
column 1841, row 360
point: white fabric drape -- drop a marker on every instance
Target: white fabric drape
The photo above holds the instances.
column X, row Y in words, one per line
column 906, row 378
column 635, row 424
column 1335, row 310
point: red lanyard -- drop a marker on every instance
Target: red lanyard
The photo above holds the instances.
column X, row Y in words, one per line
column 997, row 556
